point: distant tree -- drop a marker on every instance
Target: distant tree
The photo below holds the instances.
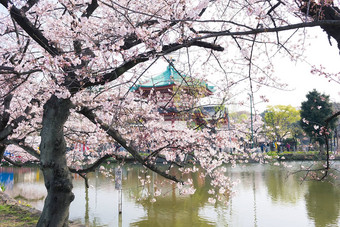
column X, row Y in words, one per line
column 314, row 112
column 279, row 121
column 297, row 133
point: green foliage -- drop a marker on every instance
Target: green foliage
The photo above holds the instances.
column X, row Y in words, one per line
column 239, row 117
column 279, row 122
column 272, row 154
column 314, row 112
column 2, row 186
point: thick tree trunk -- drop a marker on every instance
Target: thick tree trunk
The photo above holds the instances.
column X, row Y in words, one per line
column 2, row 151
column 58, row 179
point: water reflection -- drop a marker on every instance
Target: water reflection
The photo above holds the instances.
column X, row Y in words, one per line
column 265, row 196
column 173, row 209
column 87, row 217
column 282, row 186
column 24, row 184
column 321, row 207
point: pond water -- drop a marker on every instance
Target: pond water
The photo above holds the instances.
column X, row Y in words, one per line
column 265, row 196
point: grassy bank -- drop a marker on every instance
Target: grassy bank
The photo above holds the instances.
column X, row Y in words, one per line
column 13, row 215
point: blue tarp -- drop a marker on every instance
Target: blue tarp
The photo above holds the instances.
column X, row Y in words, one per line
column 7, row 154
column 7, row 179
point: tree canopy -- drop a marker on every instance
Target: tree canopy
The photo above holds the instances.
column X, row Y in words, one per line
column 279, row 121
column 314, row 112
column 67, row 69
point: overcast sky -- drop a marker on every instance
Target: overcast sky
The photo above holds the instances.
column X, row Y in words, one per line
column 299, row 77
column 296, row 74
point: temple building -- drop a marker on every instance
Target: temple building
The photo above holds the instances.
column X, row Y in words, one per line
column 177, row 95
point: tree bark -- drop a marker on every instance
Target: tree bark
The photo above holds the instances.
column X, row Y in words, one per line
column 2, row 151
column 320, row 11
column 58, row 179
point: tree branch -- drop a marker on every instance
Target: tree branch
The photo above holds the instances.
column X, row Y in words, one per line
column 270, row 30
column 332, row 117
column 16, row 163
column 128, row 146
column 90, row 8
column 13, row 162
column 24, row 146
column 31, row 30
column 207, row 45
column 85, row 179
column 29, row 5
column 93, row 166
column 321, row 12
column 4, row 118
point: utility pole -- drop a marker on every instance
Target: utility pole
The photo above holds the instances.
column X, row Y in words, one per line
column 251, row 120
column 228, row 119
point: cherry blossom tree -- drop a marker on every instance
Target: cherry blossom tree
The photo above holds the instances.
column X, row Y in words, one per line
column 13, row 104
column 67, row 69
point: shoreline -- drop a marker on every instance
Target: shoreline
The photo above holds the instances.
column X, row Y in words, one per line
column 17, row 213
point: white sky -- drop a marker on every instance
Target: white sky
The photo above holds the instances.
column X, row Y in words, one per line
column 300, row 79
column 296, row 74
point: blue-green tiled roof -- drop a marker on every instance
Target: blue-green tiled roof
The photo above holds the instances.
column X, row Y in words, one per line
column 170, row 77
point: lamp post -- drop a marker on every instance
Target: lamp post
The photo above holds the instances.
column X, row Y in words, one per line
column 251, row 120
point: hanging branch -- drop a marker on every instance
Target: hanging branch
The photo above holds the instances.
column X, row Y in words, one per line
column 325, row 134
column 21, row 144
column 93, row 166
column 18, row 164
column 89, row 114
column 327, row 168
column 13, row 162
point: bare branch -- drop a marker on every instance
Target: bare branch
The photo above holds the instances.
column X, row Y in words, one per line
column 85, row 179
column 93, row 166
column 270, row 30
column 332, row 117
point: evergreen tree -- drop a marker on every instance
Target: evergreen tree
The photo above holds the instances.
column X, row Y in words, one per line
column 314, row 112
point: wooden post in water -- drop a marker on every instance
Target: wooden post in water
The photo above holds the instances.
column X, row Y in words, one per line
column 118, row 186
column 120, row 201
column 120, row 221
